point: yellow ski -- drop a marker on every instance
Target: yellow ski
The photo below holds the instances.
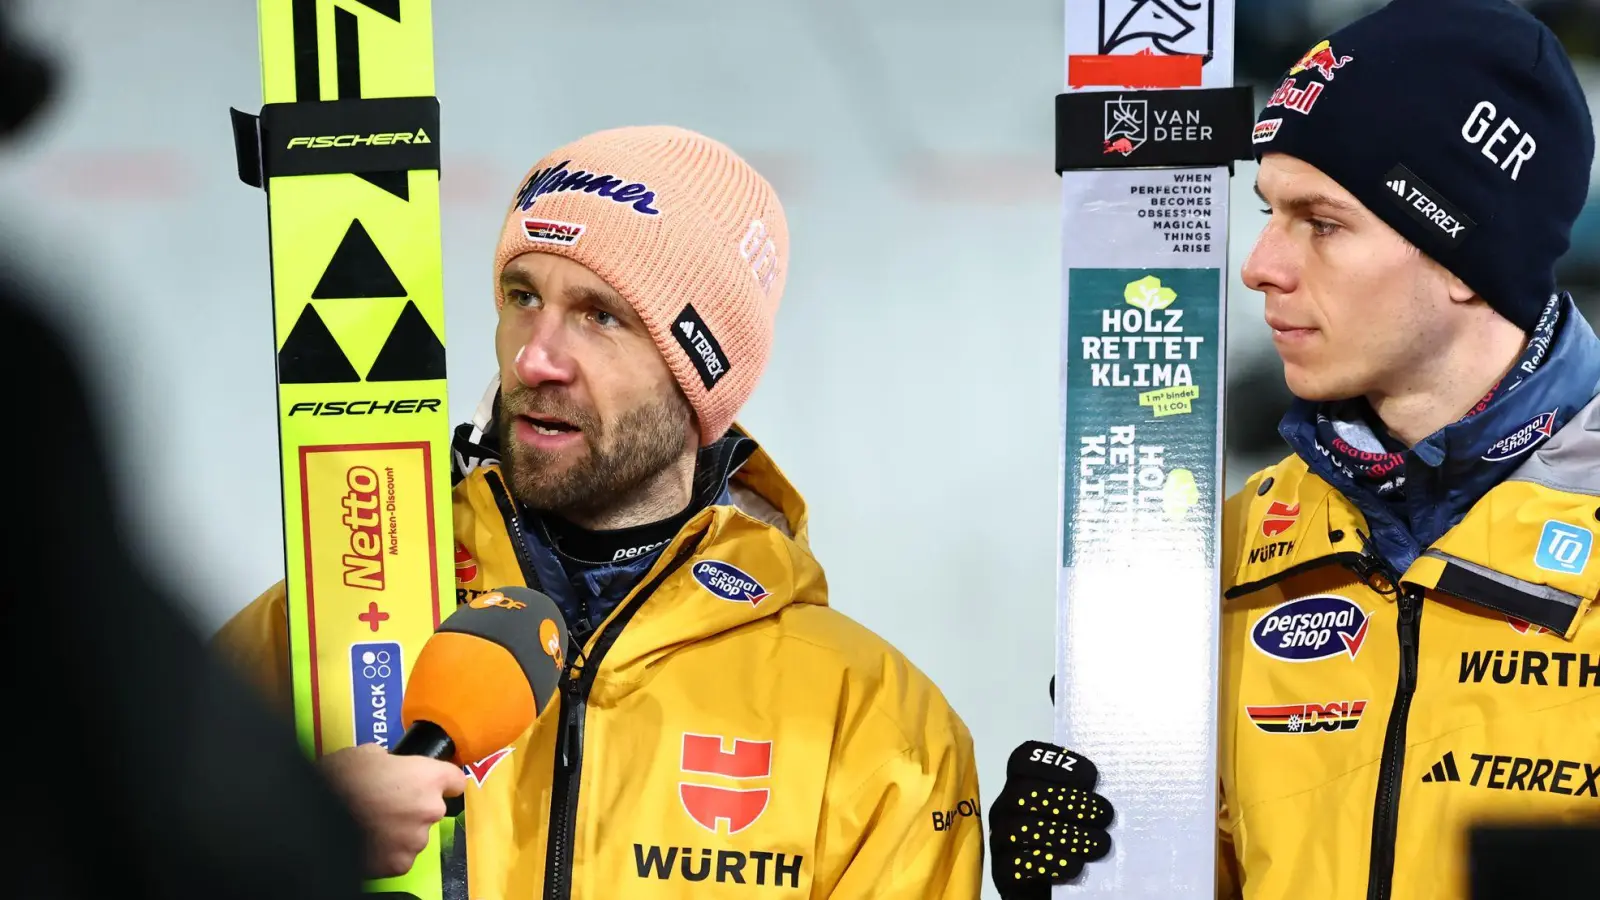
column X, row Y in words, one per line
column 346, row 147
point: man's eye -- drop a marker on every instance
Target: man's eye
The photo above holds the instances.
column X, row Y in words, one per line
column 605, row 319
column 1322, row 227
column 522, row 298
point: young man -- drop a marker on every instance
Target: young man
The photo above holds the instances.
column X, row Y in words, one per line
column 1405, row 645
column 728, row 730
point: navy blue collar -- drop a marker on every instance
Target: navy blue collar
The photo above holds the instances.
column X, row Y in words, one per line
column 1450, row 470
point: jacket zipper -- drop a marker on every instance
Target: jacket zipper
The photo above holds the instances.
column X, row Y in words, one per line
column 574, row 704
column 569, row 752
column 1386, row 804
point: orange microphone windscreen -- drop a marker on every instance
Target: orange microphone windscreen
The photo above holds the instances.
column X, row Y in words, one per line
column 487, row 672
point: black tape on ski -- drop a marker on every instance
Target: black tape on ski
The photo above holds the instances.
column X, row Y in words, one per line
column 1158, row 129
column 364, row 136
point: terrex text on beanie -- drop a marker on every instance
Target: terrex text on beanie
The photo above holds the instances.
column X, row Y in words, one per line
column 686, row 231
column 1461, row 124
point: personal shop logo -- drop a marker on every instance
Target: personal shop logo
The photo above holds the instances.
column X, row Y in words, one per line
column 1312, row 628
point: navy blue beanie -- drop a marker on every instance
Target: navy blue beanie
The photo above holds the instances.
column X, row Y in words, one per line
column 1461, row 124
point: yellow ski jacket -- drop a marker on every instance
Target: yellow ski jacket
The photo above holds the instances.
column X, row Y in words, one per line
column 1368, row 717
column 726, row 733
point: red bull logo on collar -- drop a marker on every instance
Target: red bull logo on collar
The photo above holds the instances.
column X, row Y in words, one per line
column 729, row 582
column 1322, row 59
column 1527, row 436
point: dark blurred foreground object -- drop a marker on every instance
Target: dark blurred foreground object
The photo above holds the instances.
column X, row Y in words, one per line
column 1539, row 862
column 27, row 77
column 140, row 766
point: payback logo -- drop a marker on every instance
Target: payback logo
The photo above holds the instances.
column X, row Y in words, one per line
column 466, row 566
column 1527, row 436
column 1280, row 517
column 729, row 582
column 1311, row 628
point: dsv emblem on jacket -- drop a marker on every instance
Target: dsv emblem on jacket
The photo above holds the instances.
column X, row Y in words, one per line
column 703, row 755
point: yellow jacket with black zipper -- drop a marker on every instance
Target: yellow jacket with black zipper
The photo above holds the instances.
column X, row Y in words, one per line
column 727, row 734
column 1371, row 711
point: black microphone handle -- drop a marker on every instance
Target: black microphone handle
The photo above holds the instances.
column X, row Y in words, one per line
column 425, row 739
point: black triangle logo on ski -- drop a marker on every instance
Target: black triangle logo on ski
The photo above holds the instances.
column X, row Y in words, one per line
column 397, row 182
column 412, row 351
column 390, row 8
column 310, row 355
column 358, row 270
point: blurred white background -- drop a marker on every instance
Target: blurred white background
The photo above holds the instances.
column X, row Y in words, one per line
column 912, row 393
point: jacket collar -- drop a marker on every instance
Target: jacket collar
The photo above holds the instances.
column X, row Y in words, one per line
column 749, row 510
column 1530, row 549
column 1450, row 470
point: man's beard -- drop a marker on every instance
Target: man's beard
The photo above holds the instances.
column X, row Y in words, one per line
column 620, row 458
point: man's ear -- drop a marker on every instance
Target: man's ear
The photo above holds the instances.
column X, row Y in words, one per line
column 1460, row 291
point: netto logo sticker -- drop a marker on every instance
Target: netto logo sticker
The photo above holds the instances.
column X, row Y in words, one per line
column 1311, row 628
column 729, row 582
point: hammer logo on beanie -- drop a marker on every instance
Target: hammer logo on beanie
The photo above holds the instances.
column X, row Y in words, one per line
column 557, row 178
column 686, row 231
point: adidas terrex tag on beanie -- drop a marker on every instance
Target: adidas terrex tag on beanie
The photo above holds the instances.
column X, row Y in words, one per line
column 1461, row 124
column 686, row 231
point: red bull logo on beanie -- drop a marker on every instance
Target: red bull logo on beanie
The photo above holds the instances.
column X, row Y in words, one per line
column 1527, row 436
column 1299, row 99
column 729, row 582
column 557, row 179
column 1322, row 59
column 1311, row 628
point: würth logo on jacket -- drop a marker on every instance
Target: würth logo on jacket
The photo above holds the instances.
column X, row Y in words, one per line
column 710, row 805
column 703, row 755
column 1521, row 773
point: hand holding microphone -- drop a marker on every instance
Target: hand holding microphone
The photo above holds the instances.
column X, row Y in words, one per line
column 478, row 683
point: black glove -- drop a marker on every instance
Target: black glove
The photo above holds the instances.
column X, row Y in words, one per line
column 1047, row 821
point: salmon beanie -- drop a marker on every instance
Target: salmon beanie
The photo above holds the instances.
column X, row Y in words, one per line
column 686, row 231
